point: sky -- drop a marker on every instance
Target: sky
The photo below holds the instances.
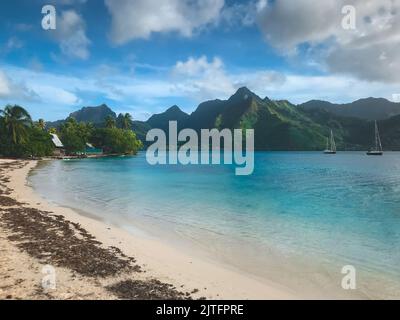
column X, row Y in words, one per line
column 143, row 56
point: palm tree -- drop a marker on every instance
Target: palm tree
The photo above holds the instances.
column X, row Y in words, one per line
column 127, row 121
column 110, row 122
column 16, row 121
column 41, row 124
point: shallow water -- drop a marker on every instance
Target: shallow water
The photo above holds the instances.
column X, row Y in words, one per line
column 298, row 219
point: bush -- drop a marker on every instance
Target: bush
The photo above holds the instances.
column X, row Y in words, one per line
column 74, row 135
column 114, row 140
column 37, row 144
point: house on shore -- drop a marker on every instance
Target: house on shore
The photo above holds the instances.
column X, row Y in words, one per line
column 90, row 150
column 59, row 150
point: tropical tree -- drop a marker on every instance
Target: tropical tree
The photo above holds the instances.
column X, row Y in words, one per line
column 109, row 122
column 73, row 136
column 115, row 140
column 39, row 143
column 127, row 121
column 16, row 121
column 19, row 138
column 41, row 124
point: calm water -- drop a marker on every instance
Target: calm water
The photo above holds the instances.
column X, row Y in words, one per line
column 299, row 218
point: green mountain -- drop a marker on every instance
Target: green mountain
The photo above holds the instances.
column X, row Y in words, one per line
column 95, row 115
column 278, row 125
column 161, row 120
column 205, row 115
column 281, row 125
column 141, row 128
column 368, row 109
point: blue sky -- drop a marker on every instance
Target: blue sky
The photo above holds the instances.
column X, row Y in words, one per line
column 142, row 56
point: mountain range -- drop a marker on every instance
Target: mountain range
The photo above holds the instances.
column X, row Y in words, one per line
column 278, row 124
column 368, row 109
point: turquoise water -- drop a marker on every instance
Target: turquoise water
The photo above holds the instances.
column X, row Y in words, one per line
column 298, row 218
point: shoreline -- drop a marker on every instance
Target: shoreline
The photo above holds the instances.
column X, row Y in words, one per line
column 166, row 264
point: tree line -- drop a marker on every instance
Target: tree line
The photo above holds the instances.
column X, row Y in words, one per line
column 20, row 136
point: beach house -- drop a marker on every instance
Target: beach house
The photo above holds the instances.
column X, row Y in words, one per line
column 91, row 150
column 59, row 150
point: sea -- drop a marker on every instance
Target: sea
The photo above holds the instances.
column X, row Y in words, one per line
column 301, row 220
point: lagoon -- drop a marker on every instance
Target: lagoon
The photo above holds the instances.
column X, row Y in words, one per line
column 297, row 220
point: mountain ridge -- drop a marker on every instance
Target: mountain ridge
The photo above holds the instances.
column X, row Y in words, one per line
column 278, row 124
column 366, row 108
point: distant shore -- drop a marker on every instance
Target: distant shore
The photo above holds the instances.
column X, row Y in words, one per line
column 93, row 260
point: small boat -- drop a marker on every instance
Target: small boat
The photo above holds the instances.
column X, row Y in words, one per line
column 377, row 151
column 330, row 145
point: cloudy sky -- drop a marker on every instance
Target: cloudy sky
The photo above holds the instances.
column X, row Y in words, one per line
column 142, row 56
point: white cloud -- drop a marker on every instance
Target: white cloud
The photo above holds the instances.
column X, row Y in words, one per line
column 198, row 67
column 202, row 78
column 333, row 88
column 71, row 34
column 41, row 93
column 140, row 18
column 14, row 90
column 4, row 85
column 188, row 82
column 368, row 52
column 52, row 94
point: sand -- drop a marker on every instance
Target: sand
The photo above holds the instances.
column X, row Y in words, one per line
column 161, row 264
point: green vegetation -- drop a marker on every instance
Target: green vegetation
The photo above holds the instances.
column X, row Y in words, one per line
column 39, row 143
column 112, row 140
column 19, row 137
column 74, row 135
column 41, row 124
column 116, row 140
column 110, row 122
column 278, row 125
column 124, row 121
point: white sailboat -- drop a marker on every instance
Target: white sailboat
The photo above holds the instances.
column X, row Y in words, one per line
column 330, row 145
column 377, row 151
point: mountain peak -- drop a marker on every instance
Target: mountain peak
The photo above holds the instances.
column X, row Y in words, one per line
column 244, row 93
column 161, row 120
column 174, row 108
column 93, row 114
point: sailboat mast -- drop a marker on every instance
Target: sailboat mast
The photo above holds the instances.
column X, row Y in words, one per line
column 378, row 151
column 333, row 144
column 330, row 144
column 378, row 142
